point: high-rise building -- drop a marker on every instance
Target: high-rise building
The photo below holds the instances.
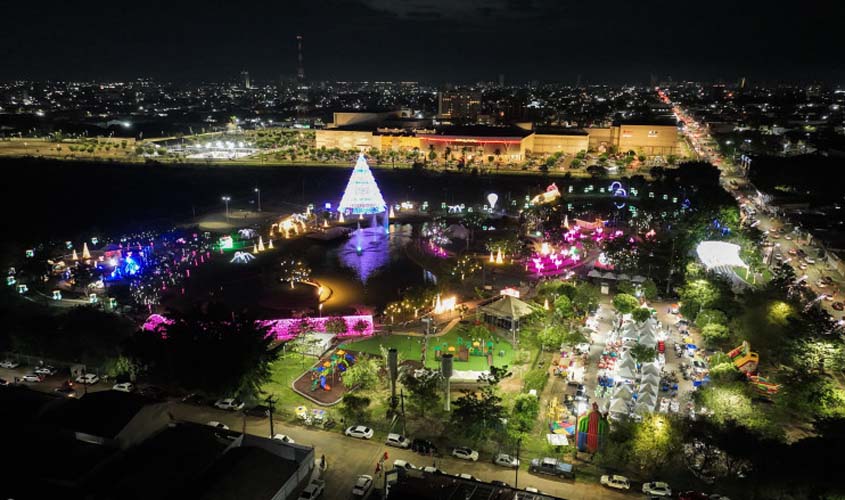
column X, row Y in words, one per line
column 459, row 105
column 300, row 68
column 245, row 79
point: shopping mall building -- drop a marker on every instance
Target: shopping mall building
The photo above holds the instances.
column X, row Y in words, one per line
column 386, row 132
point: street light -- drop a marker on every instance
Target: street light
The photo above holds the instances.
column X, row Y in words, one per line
column 226, row 200
column 259, row 198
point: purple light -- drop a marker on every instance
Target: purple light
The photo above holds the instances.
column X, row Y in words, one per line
column 287, row 328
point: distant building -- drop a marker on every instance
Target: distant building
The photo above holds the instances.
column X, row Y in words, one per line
column 245, row 79
column 388, row 132
column 459, row 105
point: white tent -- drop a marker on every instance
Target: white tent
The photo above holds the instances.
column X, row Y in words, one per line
column 651, row 379
column 618, row 406
column 646, row 399
column 608, row 276
column 647, row 389
column 651, row 368
column 719, row 254
column 594, row 274
column 627, row 362
column 638, row 279
column 624, row 392
column 625, row 372
column 643, row 410
column 318, row 343
column 647, row 339
column 624, row 277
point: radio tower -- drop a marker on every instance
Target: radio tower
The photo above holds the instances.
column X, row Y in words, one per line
column 300, row 69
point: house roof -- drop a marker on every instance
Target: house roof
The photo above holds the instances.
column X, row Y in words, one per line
column 508, row 307
column 246, row 473
column 102, row 413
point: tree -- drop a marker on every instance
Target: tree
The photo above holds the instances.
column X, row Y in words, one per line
column 294, row 271
column 563, row 308
column 597, row 171
column 585, row 298
column 625, row 303
column 465, row 267
column 641, row 314
column 362, row 375
column 643, row 354
column 655, row 443
column 526, row 408
column 649, row 289
column 709, row 316
column 478, row 412
column 213, row 351
column 551, row 337
column 336, row 325
column 425, row 388
column 715, row 334
column 354, row 408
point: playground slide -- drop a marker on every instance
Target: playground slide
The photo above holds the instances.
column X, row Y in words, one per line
column 762, row 385
column 747, row 363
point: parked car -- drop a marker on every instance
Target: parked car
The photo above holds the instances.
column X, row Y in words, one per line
column 693, row 495
column 260, row 411
column 284, row 438
column 433, row 470
column 4, row 382
column 124, row 387
column 313, row 490
column 615, row 482
column 194, row 399
column 465, row 454
column 66, row 391
column 657, row 489
column 423, row 446
column 552, row 467
column 506, row 460
column 229, row 404
column 153, row 392
column 397, row 440
column 403, row 464
column 32, row 377
column 217, row 425
column 469, row 477
column 87, row 379
column 45, row 370
column 500, row 484
column 359, row 431
column 8, row 363
column 363, row 485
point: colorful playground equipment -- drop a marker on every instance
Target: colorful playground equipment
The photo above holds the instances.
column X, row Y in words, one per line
column 329, row 369
column 466, row 348
column 743, row 359
column 592, row 429
column 746, row 362
column 558, row 420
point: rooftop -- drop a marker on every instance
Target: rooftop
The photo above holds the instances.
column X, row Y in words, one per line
column 246, row 473
column 102, row 413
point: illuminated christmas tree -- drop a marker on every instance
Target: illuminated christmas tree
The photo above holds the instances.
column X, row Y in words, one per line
column 362, row 195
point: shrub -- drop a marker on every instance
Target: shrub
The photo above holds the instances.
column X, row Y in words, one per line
column 536, row 379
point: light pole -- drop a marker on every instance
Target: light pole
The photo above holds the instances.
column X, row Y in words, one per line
column 226, row 200
column 259, row 198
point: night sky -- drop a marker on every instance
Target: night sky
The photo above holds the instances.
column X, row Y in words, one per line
column 609, row 41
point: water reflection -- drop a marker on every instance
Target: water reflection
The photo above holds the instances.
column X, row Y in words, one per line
column 369, row 249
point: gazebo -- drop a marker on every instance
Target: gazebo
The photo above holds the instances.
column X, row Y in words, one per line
column 506, row 313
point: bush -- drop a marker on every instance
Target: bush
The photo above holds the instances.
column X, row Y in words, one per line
column 641, row 314
column 715, row 334
column 625, row 303
column 536, row 379
column 709, row 316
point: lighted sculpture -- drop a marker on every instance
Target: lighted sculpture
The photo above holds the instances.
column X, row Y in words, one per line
column 492, row 260
column 85, row 253
column 362, row 195
column 254, row 248
column 261, row 244
column 340, row 219
column 242, row 258
column 390, row 214
column 75, row 257
column 271, row 245
column 499, row 258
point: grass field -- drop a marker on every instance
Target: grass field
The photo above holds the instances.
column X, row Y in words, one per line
column 409, row 347
column 475, row 363
column 285, row 370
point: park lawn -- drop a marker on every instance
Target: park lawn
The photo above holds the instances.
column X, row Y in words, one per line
column 475, row 363
column 409, row 346
column 287, row 368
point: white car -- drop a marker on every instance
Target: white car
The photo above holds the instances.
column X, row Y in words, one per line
column 217, row 425
column 313, row 490
column 45, row 370
column 506, row 460
column 465, row 454
column 124, row 387
column 363, row 485
column 87, row 378
column 397, row 440
column 284, row 438
column 616, row 482
column 31, row 377
column 229, row 404
column 403, row 464
column 360, row 432
column 657, row 489
column 8, row 363
column 432, row 470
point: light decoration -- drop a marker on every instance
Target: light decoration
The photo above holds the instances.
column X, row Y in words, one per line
column 57, row 295
column 552, row 193
column 359, row 325
column 75, row 256
column 261, row 244
column 85, row 253
column 444, row 305
column 719, row 255
column 492, row 259
column 362, row 195
column 391, row 214
column 617, row 191
column 492, row 198
column 513, row 292
column 226, row 243
column 270, row 246
column 242, row 258
column 499, row 257
column 246, row 233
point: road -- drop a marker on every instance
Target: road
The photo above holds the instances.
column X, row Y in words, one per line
column 705, row 146
column 348, row 457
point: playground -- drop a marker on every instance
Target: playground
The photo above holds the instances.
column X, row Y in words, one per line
column 474, row 349
column 323, row 381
